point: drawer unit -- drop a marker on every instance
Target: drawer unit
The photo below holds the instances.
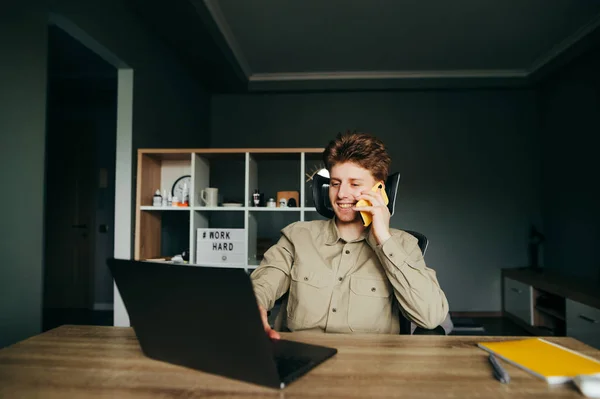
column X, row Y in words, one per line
column 583, row 323
column 518, row 300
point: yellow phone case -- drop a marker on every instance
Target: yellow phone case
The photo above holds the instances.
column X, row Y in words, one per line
column 366, row 216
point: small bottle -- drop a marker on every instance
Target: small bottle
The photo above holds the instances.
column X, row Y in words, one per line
column 185, row 201
column 256, row 197
column 164, row 198
column 157, row 199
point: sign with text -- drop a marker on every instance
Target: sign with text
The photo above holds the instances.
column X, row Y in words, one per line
column 216, row 247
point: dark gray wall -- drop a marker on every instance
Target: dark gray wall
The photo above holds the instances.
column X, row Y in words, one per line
column 570, row 119
column 170, row 109
column 22, row 130
column 469, row 161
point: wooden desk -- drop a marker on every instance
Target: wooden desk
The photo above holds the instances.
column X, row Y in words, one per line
column 106, row 362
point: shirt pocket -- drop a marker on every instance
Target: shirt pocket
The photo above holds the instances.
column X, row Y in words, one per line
column 370, row 304
column 309, row 297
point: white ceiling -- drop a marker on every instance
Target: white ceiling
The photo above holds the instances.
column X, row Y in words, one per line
column 393, row 43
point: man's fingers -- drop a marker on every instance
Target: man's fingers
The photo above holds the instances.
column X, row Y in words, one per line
column 273, row 334
column 265, row 320
column 373, row 198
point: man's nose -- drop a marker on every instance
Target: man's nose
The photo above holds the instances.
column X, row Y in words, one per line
column 344, row 191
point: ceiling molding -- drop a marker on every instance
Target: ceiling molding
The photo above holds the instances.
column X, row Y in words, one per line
column 388, row 75
column 221, row 22
column 565, row 45
column 387, row 80
column 324, row 85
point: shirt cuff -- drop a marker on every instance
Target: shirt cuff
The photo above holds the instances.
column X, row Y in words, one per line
column 260, row 300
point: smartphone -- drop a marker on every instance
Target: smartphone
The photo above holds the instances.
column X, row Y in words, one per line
column 366, row 216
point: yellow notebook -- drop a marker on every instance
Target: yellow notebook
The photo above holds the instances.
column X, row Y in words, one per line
column 554, row 363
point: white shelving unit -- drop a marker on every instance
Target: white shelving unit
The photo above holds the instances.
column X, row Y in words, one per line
column 165, row 231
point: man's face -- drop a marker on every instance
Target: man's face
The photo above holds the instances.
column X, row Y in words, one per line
column 348, row 181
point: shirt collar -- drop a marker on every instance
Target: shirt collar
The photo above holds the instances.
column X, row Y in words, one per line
column 333, row 234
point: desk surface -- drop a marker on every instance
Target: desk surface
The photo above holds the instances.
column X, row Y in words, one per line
column 91, row 361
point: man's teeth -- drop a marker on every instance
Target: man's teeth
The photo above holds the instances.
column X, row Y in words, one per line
column 346, row 205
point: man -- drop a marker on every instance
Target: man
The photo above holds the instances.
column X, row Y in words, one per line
column 344, row 277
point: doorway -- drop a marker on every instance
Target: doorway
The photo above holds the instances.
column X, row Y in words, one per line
column 80, row 183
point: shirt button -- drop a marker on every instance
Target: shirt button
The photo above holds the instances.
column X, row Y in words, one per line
column 347, row 251
column 340, row 278
column 305, row 278
column 373, row 289
column 391, row 254
column 334, row 310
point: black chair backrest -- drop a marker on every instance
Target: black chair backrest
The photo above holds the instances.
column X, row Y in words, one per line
column 423, row 241
column 320, row 191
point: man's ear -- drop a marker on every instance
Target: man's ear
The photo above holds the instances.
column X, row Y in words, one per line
column 384, row 193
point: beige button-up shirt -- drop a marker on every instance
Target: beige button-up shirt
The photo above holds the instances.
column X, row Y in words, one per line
column 342, row 287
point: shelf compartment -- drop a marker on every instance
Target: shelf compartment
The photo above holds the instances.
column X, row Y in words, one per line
column 165, row 234
column 160, row 171
column 549, row 313
column 271, row 173
column 223, row 171
column 229, row 219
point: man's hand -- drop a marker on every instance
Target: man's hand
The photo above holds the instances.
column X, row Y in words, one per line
column 380, row 214
column 270, row 332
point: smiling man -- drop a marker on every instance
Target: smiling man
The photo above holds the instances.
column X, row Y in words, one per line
column 341, row 276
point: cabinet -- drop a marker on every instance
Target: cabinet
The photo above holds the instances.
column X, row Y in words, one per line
column 161, row 232
column 550, row 304
column 517, row 300
column 583, row 322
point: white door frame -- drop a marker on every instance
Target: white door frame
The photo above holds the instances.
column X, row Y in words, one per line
column 123, row 177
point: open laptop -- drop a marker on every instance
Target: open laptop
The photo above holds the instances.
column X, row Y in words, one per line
column 207, row 318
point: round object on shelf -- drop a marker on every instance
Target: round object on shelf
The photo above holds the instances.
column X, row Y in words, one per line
column 232, row 205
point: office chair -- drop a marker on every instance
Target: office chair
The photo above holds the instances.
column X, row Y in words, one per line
column 405, row 323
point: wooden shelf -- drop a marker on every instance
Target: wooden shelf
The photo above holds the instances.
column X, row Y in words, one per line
column 219, row 208
column 164, row 208
column 551, row 312
column 265, row 209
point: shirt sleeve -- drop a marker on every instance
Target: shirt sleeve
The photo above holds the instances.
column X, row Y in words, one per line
column 272, row 278
column 415, row 285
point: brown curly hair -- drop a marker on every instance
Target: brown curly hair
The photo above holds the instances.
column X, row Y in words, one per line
column 363, row 149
